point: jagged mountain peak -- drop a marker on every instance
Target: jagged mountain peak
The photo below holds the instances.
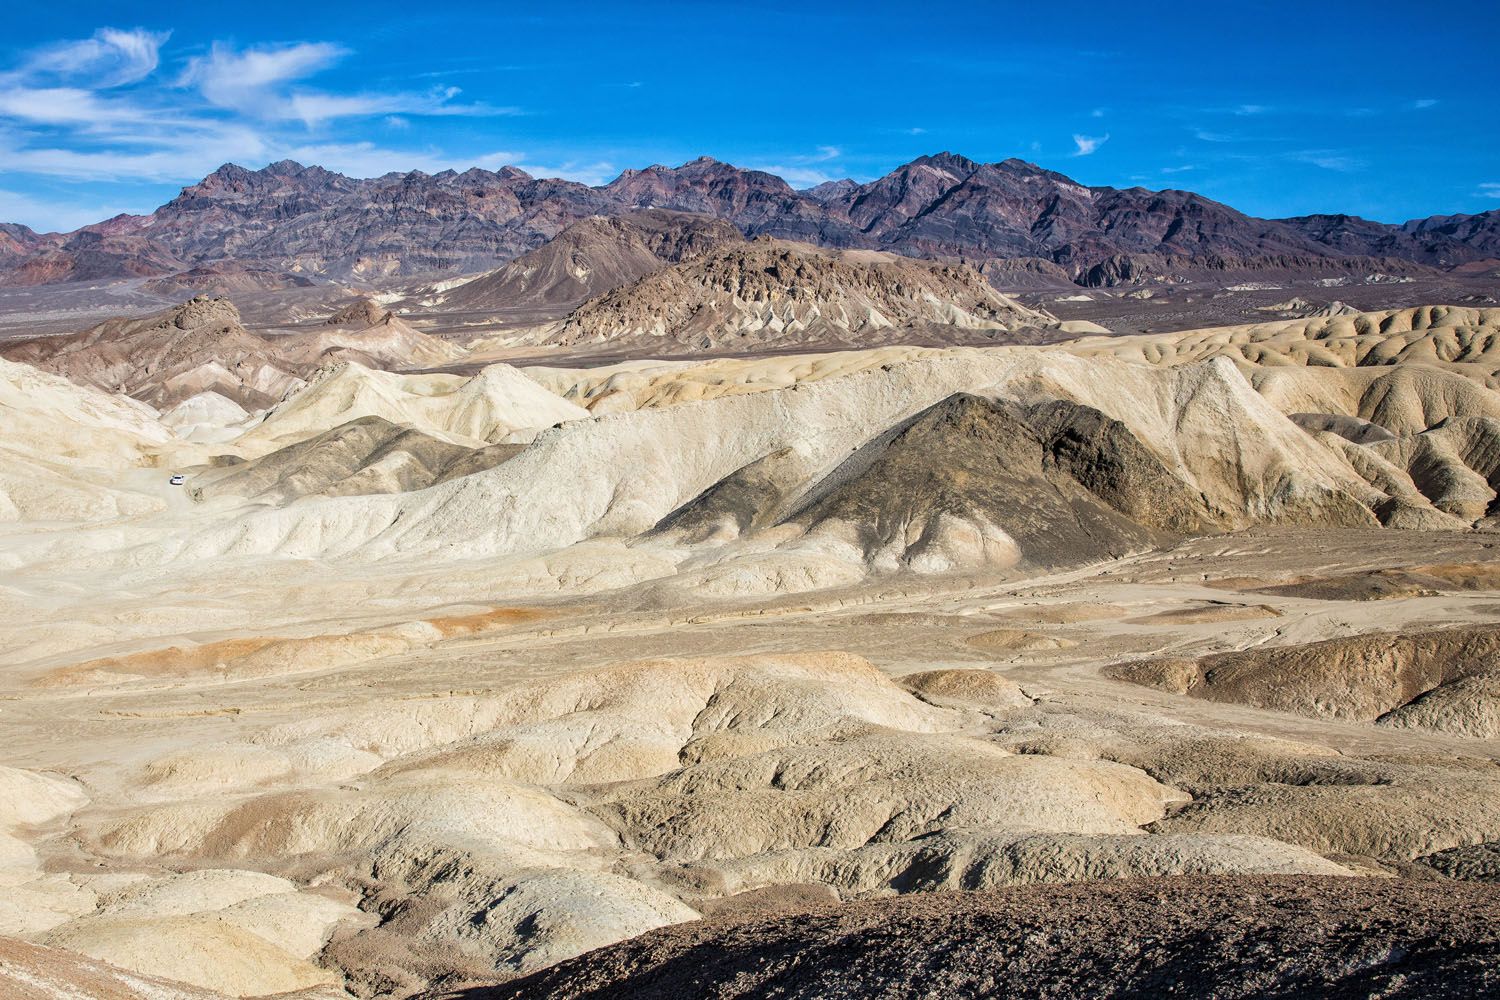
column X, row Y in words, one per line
column 287, row 167
column 946, row 161
column 830, row 191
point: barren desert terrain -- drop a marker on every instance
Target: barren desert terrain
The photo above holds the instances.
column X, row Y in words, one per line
column 423, row 681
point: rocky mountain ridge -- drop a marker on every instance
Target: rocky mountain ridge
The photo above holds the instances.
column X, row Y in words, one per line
column 312, row 221
column 742, row 296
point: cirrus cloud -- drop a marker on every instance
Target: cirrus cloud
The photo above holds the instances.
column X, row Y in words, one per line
column 249, row 80
column 1088, row 145
column 98, row 109
column 111, row 58
column 258, row 82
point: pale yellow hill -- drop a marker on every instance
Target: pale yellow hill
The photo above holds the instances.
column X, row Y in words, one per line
column 1455, row 337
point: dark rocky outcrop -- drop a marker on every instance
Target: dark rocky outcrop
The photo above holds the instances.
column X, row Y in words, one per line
column 973, row 461
column 1220, row 938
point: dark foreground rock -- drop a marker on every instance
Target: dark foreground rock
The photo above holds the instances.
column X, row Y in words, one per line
column 1174, row 937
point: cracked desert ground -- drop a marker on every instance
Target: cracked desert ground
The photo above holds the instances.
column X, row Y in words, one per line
column 736, row 640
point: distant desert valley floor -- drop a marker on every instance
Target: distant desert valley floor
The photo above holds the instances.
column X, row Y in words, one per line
column 675, row 609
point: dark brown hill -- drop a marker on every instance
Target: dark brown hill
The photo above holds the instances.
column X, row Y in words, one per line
column 589, row 258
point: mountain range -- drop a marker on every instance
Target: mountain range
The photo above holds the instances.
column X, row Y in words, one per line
column 306, row 221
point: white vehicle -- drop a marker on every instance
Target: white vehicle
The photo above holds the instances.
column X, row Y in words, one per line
column 177, row 480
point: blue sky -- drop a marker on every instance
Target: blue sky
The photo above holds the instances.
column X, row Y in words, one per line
column 1382, row 109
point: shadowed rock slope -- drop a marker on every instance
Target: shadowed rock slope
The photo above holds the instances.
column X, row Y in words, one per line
column 364, row 456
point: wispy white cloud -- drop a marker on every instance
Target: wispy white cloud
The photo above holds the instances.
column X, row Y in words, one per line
column 111, row 58
column 1423, row 104
column 1245, row 110
column 1088, row 145
column 155, row 156
column 496, row 160
column 249, row 80
column 1328, row 159
column 98, row 110
column 1179, row 170
column 57, row 106
column 181, row 156
column 314, row 109
column 260, row 82
column 54, row 214
column 1489, row 189
column 443, row 74
column 64, row 83
column 916, row 130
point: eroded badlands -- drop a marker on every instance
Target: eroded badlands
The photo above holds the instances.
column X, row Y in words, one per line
column 427, row 680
